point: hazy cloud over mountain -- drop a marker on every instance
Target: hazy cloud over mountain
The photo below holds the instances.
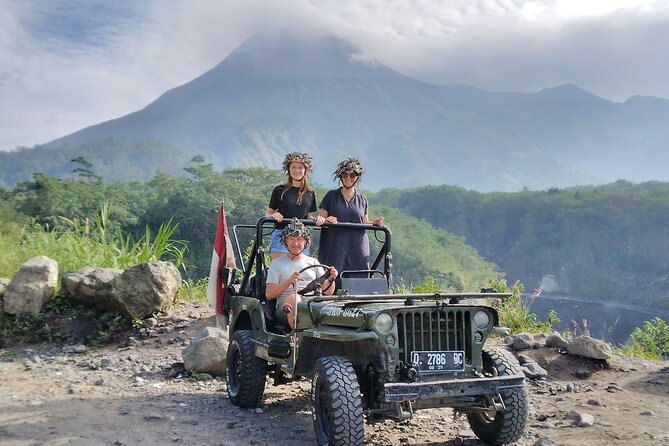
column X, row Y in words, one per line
column 66, row 64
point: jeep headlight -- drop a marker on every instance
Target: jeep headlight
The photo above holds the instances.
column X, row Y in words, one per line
column 481, row 319
column 383, row 323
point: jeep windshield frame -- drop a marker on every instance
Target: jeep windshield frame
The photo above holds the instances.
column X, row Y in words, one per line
column 253, row 284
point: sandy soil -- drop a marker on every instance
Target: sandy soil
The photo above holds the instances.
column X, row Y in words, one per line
column 138, row 394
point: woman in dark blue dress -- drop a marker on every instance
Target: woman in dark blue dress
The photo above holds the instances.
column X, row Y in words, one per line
column 345, row 249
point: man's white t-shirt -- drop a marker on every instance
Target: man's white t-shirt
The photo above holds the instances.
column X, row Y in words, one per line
column 281, row 268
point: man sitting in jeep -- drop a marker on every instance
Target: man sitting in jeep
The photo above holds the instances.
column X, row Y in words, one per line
column 291, row 272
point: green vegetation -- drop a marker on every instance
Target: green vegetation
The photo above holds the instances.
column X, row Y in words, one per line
column 650, row 341
column 515, row 313
column 63, row 322
column 605, row 242
column 86, row 222
column 100, row 243
column 193, row 291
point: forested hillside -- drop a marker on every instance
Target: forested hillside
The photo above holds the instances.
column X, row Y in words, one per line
column 192, row 202
column 113, row 160
column 607, row 242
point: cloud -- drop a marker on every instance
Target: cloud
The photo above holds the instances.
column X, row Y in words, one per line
column 67, row 64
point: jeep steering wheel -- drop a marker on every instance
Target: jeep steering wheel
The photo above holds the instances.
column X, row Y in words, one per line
column 312, row 286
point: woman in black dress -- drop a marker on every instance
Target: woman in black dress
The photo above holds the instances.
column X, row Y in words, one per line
column 294, row 198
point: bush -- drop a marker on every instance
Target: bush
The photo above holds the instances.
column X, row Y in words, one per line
column 650, row 341
column 515, row 313
column 100, row 243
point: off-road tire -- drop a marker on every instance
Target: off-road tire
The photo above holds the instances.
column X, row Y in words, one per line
column 245, row 372
column 508, row 426
column 336, row 403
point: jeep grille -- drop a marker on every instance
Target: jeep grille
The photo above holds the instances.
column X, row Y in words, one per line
column 432, row 330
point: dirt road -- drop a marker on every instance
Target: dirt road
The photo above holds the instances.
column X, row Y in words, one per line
column 139, row 394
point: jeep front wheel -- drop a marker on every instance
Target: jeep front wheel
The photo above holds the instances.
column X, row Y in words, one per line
column 502, row 427
column 336, row 403
column 245, row 372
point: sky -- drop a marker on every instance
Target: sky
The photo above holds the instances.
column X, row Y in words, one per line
column 68, row 64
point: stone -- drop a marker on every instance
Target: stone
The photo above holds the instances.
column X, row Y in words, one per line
column 32, row 287
column 206, row 352
column 3, row 285
column 534, row 371
column 586, row 420
column 556, row 340
column 91, row 287
column 145, row 289
column 581, row 419
column 522, row 341
column 589, row 348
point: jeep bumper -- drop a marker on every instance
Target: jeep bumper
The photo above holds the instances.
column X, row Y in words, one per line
column 452, row 388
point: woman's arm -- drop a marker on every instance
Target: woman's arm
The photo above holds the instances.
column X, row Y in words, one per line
column 326, row 217
column 274, row 214
column 378, row 221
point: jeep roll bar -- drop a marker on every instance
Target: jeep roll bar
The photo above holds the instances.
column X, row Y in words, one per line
column 256, row 261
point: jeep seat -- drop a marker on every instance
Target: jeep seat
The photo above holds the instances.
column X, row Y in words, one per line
column 364, row 282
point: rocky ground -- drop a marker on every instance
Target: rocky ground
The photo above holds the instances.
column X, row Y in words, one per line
column 137, row 393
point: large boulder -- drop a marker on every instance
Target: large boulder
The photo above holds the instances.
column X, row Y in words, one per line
column 92, row 287
column 32, row 287
column 589, row 348
column 206, row 352
column 145, row 289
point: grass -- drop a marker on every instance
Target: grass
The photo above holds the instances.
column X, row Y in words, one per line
column 649, row 341
column 96, row 243
column 515, row 313
column 193, row 291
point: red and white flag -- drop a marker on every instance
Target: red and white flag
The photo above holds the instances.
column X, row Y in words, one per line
column 222, row 257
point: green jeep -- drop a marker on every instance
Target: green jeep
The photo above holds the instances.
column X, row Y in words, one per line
column 371, row 353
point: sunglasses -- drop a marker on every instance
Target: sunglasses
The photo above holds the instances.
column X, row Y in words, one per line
column 349, row 175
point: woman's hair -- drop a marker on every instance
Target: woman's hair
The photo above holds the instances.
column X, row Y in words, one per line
column 305, row 159
column 349, row 164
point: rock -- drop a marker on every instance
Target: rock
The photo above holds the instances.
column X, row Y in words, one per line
column 534, row 371
column 150, row 322
column 3, row 285
column 586, row 420
column 556, row 340
column 92, row 287
column 582, row 374
column 581, row 419
column 523, row 359
column 206, row 352
column 589, row 348
column 32, row 286
column 522, row 341
column 147, row 288
column 647, row 413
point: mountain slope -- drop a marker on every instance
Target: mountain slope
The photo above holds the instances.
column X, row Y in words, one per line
column 275, row 94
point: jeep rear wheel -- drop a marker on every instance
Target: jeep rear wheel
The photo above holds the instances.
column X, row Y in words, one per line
column 502, row 427
column 336, row 402
column 245, row 372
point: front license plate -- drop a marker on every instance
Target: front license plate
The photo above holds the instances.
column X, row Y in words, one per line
column 439, row 361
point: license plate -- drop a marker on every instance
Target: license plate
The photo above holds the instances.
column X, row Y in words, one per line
column 438, row 361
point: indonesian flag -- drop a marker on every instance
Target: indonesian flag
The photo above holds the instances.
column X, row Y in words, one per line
column 222, row 257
